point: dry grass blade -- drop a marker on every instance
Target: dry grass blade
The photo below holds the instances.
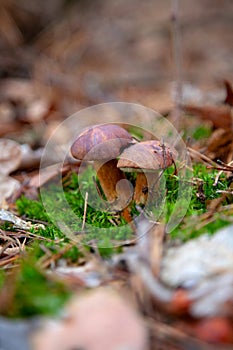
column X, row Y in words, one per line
column 50, row 259
column 6, row 261
column 197, row 157
column 12, row 246
column 207, row 217
column 85, row 210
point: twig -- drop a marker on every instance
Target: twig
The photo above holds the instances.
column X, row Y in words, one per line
column 7, row 261
column 85, row 210
column 224, row 191
column 46, row 260
column 226, row 167
column 194, row 154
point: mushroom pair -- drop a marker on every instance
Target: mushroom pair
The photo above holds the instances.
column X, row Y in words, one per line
column 104, row 143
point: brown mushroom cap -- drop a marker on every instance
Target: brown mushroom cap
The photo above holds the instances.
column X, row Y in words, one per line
column 99, row 142
column 148, row 156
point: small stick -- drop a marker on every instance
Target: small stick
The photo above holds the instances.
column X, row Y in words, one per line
column 195, row 154
column 228, row 167
column 224, row 191
column 85, row 210
column 217, row 177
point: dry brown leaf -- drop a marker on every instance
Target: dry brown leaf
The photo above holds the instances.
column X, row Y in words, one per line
column 17, row 89
column 8, row 27
column 6, row 113
column 10, row 156
column 220, row 145
column 96, row 320
column 32, row 99
column 8, row 186
column 30, row 158
column 215, row 330
column 229, row 93
column 48, row 173
column 176, row 336
column 9, row 128
column 220, row 116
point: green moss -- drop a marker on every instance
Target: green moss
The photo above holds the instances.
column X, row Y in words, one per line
column 34, row 293
column 113, row 226
column 203, row 192
column 32, row 209
column 201, row 132
column 72, row 255
column 2, row 278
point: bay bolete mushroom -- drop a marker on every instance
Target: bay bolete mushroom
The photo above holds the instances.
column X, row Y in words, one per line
column 103, row 144
column 146, row 158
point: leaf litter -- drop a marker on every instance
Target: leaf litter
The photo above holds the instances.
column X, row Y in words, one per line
column 156, row 292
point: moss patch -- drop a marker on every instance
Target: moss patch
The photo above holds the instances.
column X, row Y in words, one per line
column 35, row 293
column 31, row 292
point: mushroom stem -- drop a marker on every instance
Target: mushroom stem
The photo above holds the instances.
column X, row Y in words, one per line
column 117, row 192
column 108, row 175
column 144, row 183
column 141, row 189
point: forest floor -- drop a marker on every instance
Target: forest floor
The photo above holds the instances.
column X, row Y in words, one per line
column 76, row 274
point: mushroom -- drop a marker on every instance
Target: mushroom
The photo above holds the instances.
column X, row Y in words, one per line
column 146, row 158
column 103, row 144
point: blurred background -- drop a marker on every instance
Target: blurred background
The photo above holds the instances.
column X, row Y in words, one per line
column 59, row 56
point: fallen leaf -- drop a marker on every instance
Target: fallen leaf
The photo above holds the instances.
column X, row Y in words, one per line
column 229, row 93
column 8, row 27
column 215, row 330
column 30, row 158
column 48, row 173
column 10, row 156
column 220, row 145
column 8, row 186
column 96, row 320
column 33, row 100
column 220, row 116
column 7, row 113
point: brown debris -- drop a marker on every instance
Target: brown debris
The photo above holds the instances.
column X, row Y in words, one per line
column 220, row 116
column 10, row 156
column 219, row 146
column 55, row 60
column 215, row 330
column 229, row 93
